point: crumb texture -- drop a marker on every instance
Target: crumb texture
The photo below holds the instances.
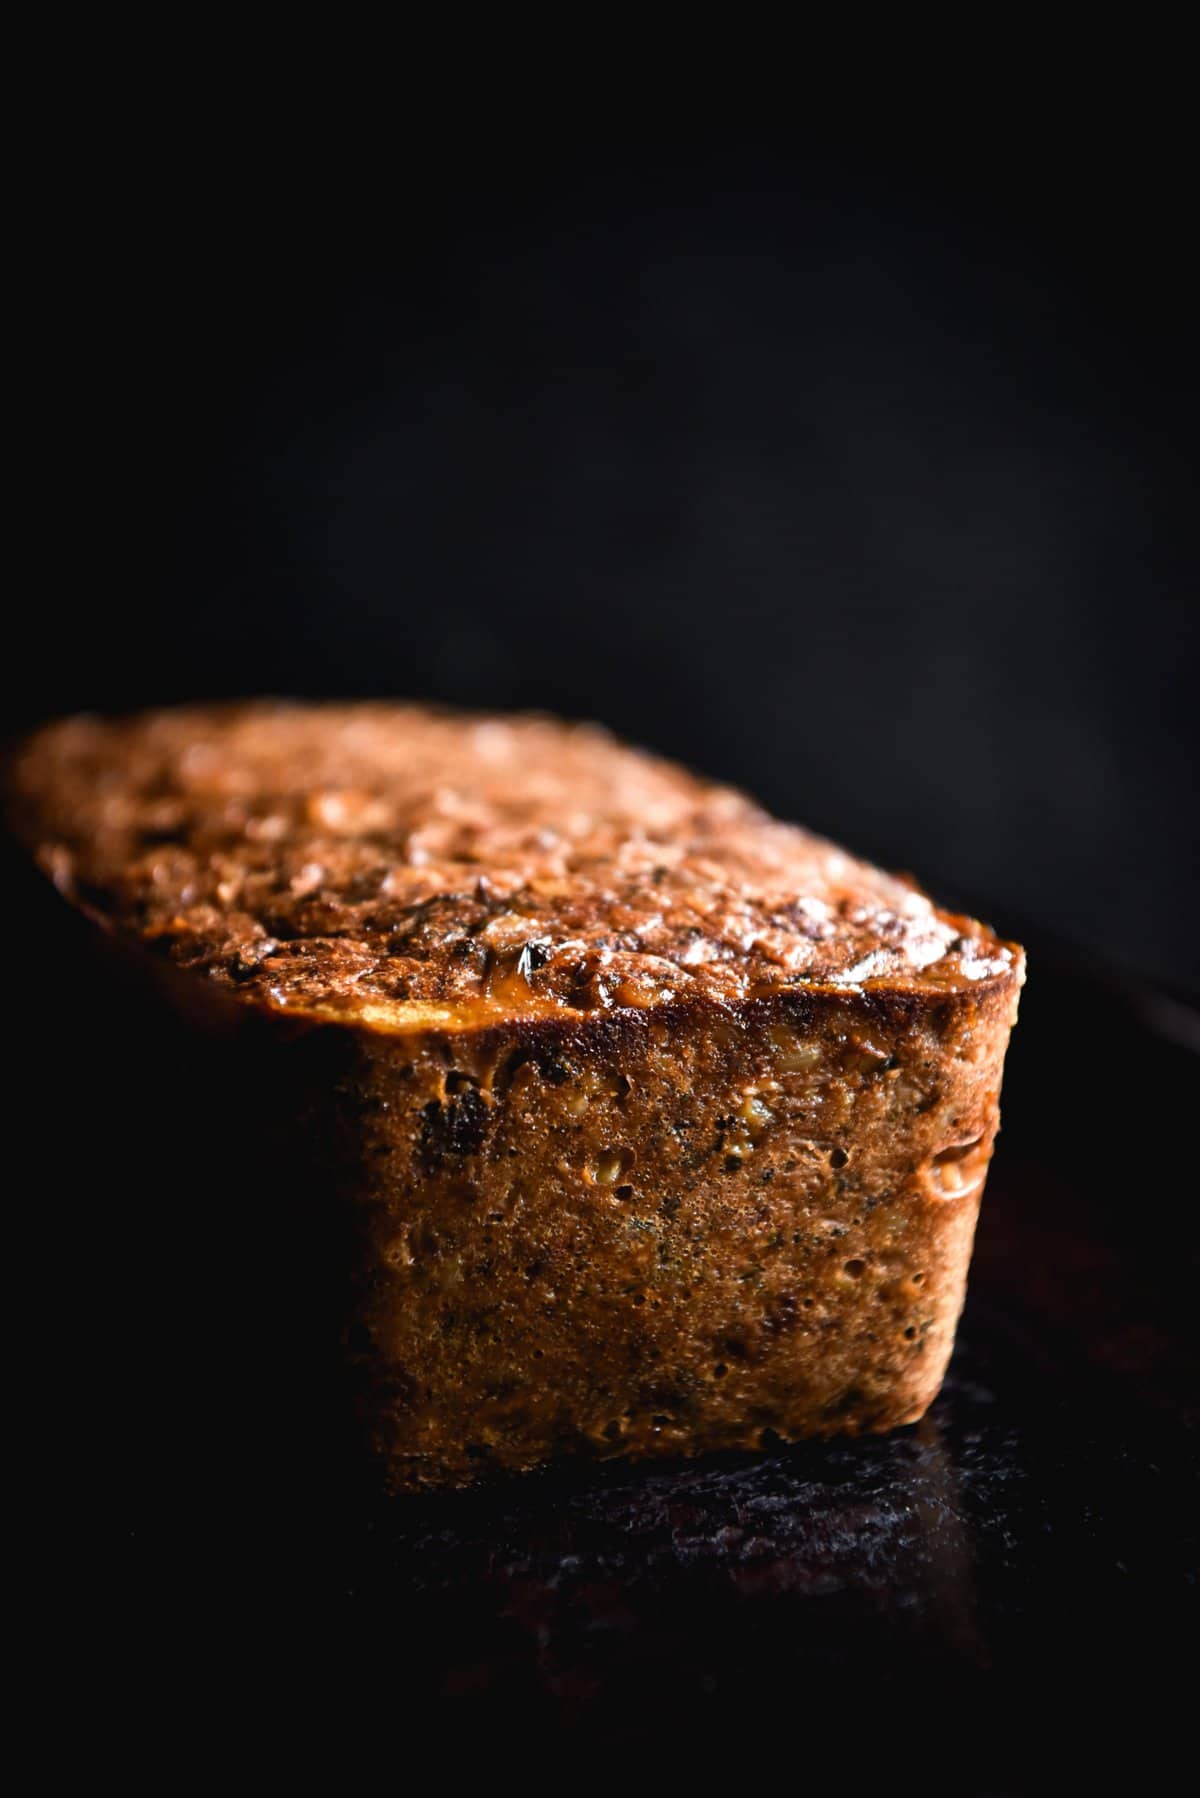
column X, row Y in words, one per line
column 651, row 1239
column 356, row 858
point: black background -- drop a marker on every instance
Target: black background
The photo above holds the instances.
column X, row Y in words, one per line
column 857, row 473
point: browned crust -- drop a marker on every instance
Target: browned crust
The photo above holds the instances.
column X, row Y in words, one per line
column 399, row 867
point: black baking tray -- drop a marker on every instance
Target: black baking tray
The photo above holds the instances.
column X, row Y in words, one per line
column 1016, row 1575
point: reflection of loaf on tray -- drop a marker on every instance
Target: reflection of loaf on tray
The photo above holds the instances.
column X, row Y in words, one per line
column 660, row 1126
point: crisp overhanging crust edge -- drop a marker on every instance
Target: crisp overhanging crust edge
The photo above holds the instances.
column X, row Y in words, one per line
column 891, row 996
column 207, row 1003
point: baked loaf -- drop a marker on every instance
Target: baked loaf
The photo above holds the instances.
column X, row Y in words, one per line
column 660, row 1127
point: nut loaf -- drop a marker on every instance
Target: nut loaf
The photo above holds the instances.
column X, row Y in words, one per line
column 659, row 1126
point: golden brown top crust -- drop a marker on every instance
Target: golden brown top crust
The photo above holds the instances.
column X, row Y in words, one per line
column 378, row 860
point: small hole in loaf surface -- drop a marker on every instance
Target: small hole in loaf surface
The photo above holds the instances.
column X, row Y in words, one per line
column 856, row 1268
column 956, row 1152
column 838, row 1158
column 610, row 1164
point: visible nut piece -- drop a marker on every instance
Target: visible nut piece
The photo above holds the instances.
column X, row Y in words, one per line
column 610, row 1164
column 952, row 1179
column 347, row 811
column 794, row 1055
column 862, row 1057
column 754, row 1114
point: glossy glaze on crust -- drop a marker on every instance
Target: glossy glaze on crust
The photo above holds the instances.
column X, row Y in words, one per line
column 401, row 866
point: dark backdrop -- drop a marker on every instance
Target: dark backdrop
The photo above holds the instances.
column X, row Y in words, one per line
column 861, row 479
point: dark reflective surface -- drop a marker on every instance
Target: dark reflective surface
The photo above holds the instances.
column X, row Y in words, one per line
column 1014, row 1580
column 1025, row 1557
